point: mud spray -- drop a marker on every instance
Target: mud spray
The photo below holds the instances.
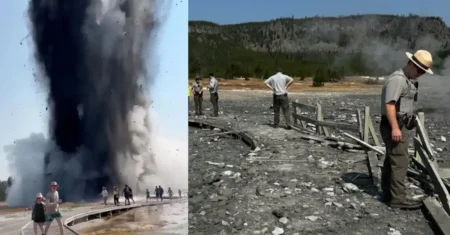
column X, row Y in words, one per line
column 92, row 58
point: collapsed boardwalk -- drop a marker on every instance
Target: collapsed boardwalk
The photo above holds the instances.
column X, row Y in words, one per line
column 288, row 182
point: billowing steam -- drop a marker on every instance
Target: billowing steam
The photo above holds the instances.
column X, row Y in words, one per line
column 91, row 54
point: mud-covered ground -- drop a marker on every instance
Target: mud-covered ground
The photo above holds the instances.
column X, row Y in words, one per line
column 238, row 196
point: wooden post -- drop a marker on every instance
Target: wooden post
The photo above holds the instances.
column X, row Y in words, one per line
column 369, row 128
column 366, row 124
column 374, row 134
column 358, row 117
column 295, row 112
column 421, row 116
column 320, row 129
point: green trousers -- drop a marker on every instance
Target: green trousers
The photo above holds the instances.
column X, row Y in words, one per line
column 395, row 167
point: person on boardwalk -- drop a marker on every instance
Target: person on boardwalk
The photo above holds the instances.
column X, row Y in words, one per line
column 398, row 104
column 116, row 196
column 131, row 195
column 214, row 94
column 161, row 192
column 197, row 90
column 126, row 193
column 179, row 193
column 170, row 192
column 104, row 195
column 279, row 84
column 157, row 193
column 52, row 208
column 38, row 214
column 147, row 194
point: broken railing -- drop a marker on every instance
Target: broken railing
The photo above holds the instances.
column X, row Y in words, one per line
column 364, row 128
column 424, row 169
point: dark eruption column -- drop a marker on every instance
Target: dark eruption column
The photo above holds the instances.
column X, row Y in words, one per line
column 93, row 59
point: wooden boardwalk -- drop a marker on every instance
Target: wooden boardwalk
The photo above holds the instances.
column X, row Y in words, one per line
column 54, row 228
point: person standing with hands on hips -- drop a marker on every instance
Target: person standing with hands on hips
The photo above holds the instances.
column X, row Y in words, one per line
column 214, row 95
column 398, row 108
column 279, row 84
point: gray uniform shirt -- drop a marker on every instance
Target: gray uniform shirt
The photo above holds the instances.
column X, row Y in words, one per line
column 278, row 82
column 197, row 87
column 213, row 85
column 401, row 90
column 52, row 203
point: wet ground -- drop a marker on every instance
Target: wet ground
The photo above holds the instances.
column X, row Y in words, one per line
column 228, row 194
column 170, row 219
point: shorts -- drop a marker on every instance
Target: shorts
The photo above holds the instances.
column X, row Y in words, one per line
column 51, row 216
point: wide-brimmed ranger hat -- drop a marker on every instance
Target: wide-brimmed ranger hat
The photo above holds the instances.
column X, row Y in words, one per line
column 422, row 59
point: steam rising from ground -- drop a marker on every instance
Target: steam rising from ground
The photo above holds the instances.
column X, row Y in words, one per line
column 91, row 54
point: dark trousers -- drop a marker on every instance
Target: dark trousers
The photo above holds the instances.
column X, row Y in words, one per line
column 215, row 103
column 395, row 167
column 281, row 102
column 116, row 200
column 198, row 101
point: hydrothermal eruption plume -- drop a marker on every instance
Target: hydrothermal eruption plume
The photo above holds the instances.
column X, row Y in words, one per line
column 91, row 54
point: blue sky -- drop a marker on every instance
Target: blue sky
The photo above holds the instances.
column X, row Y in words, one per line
column 22, row 100
column 238, row 11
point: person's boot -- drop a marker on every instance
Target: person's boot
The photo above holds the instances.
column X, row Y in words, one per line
column 385, row 198
column 406, row 204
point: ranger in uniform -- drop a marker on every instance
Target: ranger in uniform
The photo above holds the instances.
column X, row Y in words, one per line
column 197, row 90
column 279, row 83
column 398, row 104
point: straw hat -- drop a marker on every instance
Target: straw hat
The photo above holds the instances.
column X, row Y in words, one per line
column 422, row 59
column 53, row 183
column 39, row 195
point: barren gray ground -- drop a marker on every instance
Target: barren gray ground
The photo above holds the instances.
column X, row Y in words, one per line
column 306, row 197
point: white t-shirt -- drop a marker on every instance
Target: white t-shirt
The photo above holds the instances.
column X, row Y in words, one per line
column 279, row 82
column 104, row 193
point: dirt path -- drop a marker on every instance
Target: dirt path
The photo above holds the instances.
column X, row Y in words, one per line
column 298, row 86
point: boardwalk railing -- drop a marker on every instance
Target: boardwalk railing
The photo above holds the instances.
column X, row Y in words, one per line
column 423, row 156
column 363, row 129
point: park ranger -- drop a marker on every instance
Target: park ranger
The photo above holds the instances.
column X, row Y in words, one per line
column 398, row 104
column 197, row 90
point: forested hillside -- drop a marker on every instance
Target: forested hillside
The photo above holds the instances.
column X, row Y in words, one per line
column 348, row 45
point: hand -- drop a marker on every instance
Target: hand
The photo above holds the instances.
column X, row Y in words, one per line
column 396, row 135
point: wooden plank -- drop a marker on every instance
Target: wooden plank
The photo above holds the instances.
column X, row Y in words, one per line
column 440, row 217
column 374, row 170
column 423, row 137
column 421, row 116
column 439, row 185
column 366, row 124
column 374, row 134
column 302, row 129
column 319, row 129
column 295, row 112
column 360, row 124
column 364, row 143
column 307, row 107
column 444, row 173
column 334, row 125
column 320, row 118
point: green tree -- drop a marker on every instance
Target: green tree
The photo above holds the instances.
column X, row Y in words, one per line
column 319, row 78
column 258, row 70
